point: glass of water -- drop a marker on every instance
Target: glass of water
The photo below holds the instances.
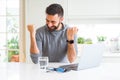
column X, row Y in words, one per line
column 43, row 63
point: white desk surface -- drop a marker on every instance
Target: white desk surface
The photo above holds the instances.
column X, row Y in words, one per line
column 23, row 71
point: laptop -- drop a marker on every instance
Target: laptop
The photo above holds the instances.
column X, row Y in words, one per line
column 91, row 56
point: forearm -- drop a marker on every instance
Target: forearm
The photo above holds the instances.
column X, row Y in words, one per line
column 71, row 53
column 33, row 47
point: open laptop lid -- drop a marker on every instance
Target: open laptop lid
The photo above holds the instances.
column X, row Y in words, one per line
column 91, row 55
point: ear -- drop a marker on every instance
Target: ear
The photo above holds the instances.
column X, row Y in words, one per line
column 61, row 19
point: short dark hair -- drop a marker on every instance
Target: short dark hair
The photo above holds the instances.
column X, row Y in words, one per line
column 55, row 9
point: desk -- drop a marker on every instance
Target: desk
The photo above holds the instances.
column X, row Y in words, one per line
column 23, row 71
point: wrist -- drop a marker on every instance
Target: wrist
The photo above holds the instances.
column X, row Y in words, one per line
column 32, row 33
column 70, row 37
column 70, row 41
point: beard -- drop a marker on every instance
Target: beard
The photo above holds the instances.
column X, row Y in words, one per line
column 53, row 28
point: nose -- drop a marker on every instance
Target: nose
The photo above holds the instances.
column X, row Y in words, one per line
column 49, row 24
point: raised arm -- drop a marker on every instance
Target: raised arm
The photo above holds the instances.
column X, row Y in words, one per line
column 33, row 46
column 71, row 51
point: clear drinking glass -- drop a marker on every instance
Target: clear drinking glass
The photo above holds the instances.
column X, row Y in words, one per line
column 43, row 63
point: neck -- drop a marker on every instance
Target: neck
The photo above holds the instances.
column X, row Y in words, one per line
column 60, row 26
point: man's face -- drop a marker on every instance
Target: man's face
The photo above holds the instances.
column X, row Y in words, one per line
column 53, row 21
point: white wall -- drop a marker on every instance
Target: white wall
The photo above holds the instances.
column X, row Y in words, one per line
column 94, row 8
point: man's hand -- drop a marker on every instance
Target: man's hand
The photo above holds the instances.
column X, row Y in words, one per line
column 31, row 28
column 71, row 32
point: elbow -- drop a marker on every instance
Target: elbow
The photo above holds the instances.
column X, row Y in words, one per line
column 71, row 59
column 34, row 59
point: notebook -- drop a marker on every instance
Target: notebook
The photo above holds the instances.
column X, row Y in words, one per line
column 91, row 56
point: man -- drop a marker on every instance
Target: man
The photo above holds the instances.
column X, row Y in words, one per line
column 54, row 39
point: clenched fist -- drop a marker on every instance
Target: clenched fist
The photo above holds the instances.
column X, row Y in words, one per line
column 71, row 32
column 31, row 28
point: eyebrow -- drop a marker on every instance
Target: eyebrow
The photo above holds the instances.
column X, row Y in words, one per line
column 50, row 21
